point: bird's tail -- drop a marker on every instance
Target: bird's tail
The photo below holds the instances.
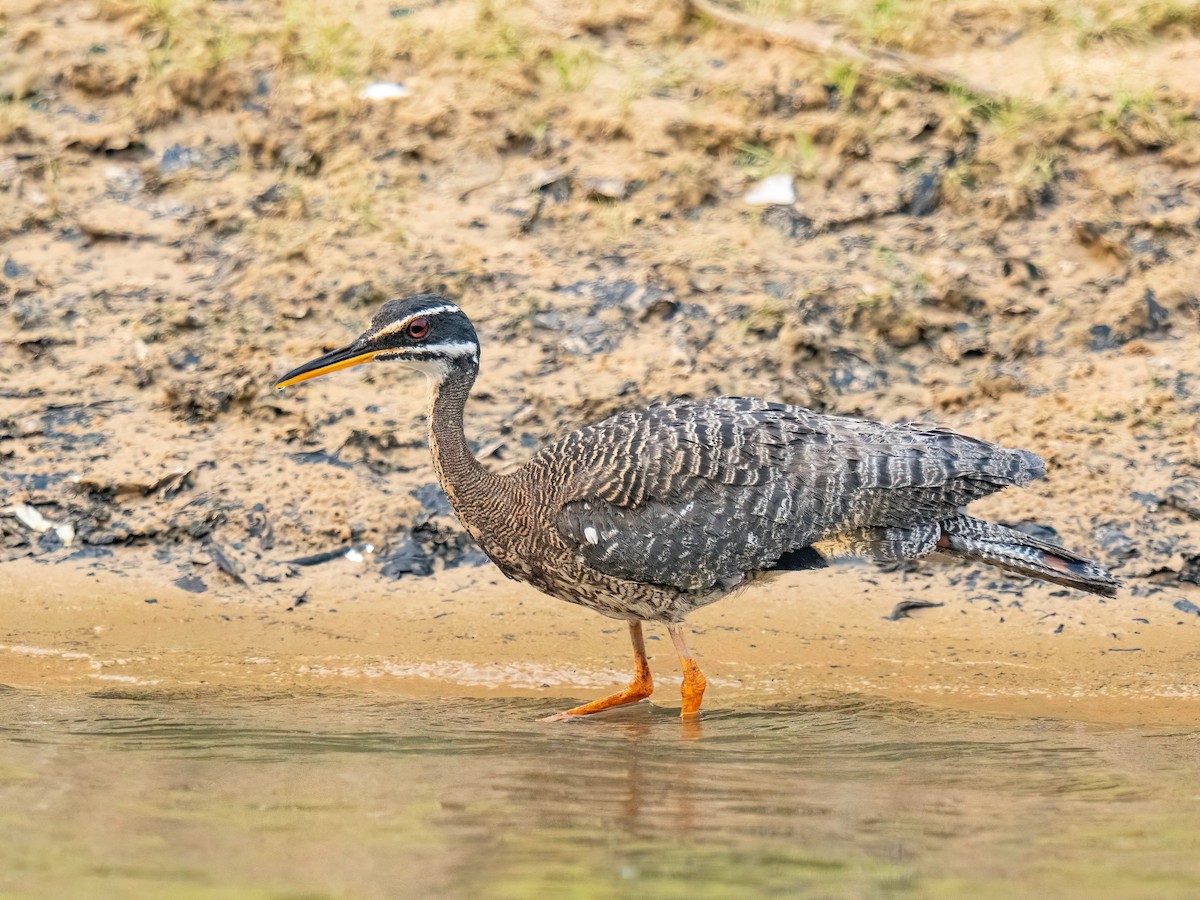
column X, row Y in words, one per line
column 1018, row 552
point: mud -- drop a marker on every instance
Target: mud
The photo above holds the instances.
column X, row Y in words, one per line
column 197, row 199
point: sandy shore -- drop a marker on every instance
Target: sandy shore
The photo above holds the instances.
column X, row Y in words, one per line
column 204, row 197
column 471, row 633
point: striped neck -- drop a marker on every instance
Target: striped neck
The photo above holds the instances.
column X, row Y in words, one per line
column 460, row 474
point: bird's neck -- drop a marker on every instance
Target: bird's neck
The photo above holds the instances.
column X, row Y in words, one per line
column 460, row 474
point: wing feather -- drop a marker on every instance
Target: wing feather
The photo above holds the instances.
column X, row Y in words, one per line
column 715, row 489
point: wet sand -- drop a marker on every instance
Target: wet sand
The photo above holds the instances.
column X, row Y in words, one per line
column 470, row 633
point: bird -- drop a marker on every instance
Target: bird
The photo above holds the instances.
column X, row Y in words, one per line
column 652, row 514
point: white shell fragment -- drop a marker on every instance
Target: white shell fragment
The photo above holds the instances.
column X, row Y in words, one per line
column 66, row 533
column 589, row 535
column 32, row 519
column 356, row 556
column 35, row 521
column 383, row 90
column 774, row 190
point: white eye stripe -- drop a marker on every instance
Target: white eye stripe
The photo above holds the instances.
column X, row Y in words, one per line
column 449, row 307
column 396, row 327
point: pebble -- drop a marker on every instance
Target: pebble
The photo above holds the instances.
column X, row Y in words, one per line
column 383, row 90
column 774, row 190
column 604, row 188
column 121, row 221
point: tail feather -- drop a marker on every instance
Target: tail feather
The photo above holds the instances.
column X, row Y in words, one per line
column 1017, row 552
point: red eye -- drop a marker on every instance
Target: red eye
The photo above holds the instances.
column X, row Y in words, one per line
column 418, row 328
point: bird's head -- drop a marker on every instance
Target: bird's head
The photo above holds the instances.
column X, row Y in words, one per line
column 425, row 332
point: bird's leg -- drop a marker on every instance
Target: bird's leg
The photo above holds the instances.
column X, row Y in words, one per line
column 693, row 679
column 641, row 687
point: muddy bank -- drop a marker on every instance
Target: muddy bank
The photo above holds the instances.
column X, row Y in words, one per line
column 203, row 197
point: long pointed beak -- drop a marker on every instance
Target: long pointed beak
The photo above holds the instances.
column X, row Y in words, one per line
column 342, row 358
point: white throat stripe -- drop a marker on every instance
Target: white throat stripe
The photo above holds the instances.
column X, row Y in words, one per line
column 453, row 349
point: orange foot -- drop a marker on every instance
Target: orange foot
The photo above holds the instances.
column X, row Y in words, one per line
column 637, row 690
column 694, row 684
column 641, row 687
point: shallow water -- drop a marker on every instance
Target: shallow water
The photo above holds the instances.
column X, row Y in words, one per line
column 116, row 795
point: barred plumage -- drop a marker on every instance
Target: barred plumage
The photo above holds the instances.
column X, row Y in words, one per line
column 721, row 488
column 649, row 515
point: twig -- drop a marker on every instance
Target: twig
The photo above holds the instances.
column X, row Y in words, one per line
column 823, row 41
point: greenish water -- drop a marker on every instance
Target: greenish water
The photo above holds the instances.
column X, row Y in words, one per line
column 110, row 796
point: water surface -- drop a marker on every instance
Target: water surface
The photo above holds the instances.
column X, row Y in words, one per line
column 350, row 796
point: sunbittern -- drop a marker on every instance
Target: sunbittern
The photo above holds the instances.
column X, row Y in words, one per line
column 649, row 515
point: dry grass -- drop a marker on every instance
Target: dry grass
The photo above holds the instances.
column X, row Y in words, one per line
column 1117, row 21
column 1144, row 120
column 924, row 25
column 497, row 77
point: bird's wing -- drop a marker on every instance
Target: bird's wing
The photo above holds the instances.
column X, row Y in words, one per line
column 695, row 495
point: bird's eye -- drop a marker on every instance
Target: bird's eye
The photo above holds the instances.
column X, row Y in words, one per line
column 418, row 328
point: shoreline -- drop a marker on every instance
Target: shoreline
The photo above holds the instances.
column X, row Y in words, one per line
column 470, row 633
